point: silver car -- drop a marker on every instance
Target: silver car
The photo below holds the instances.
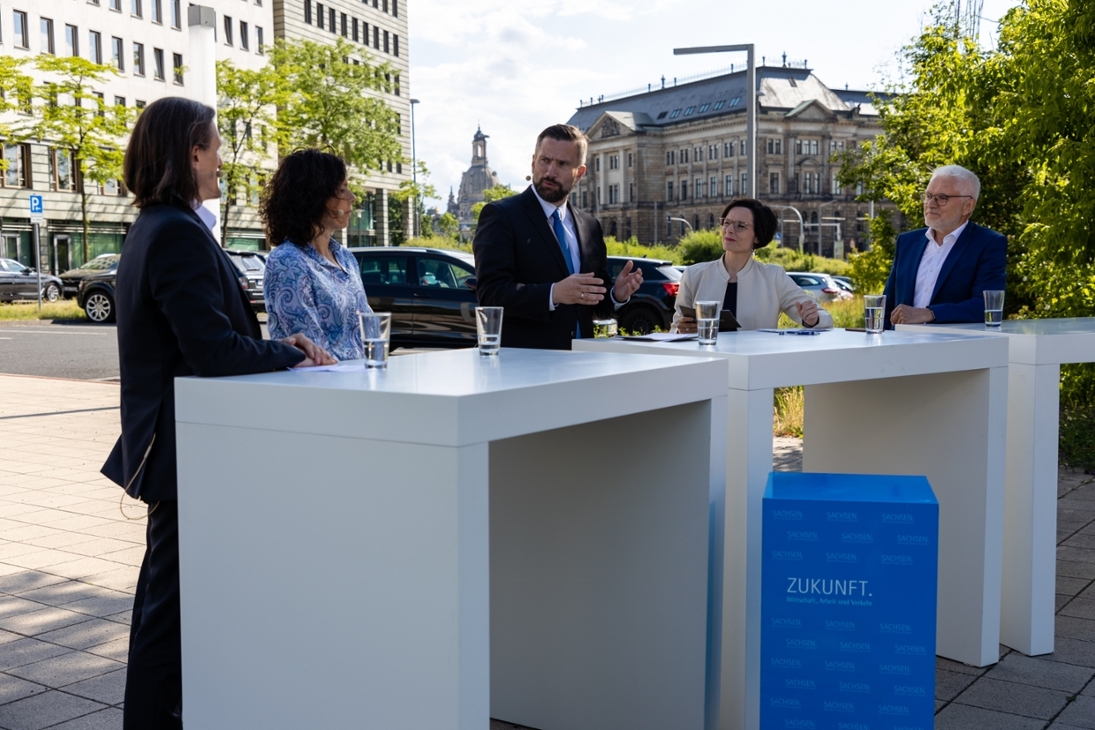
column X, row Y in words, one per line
column 820, row 286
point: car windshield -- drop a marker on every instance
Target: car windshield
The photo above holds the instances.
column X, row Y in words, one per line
column 102, row 263
column 14, row 266
column 248, row 263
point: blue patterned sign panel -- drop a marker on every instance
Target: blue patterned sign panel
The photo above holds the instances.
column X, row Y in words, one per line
column 848, row 602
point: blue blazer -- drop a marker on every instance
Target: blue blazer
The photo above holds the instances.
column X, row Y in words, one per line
column 976, row 263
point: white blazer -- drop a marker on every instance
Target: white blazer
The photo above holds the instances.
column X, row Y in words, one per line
column 764, row 290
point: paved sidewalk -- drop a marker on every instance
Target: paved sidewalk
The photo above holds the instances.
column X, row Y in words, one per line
column 69, row 561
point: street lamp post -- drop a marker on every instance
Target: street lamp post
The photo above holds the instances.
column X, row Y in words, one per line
column 801, row 228
column 416, row 225
column 750, row 100
column 819, row 224
column 669, row 219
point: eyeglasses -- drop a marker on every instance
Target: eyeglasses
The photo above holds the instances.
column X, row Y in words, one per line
column 940, row 198
column 738, row 226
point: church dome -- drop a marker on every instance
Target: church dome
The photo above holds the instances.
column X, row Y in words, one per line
column 476, row 179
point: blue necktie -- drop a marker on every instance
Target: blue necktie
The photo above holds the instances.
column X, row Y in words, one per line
column 560, row 234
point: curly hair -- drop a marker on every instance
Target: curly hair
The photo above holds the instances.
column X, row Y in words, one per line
column 295, row 200
column 765, row 222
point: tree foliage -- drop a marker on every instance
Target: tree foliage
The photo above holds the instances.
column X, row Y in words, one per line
column 490, row 195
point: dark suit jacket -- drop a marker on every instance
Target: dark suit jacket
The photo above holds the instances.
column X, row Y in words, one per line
column 976, row 263
column 517, row 259
column 181, row 311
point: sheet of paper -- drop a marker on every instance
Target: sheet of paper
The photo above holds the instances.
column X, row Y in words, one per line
column 661, row 337
column 341, row 367
column 792, row 332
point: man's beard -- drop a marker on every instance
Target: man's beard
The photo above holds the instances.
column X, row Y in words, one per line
column 551, row 195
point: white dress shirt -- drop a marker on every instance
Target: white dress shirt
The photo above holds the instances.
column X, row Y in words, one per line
column 930, row 264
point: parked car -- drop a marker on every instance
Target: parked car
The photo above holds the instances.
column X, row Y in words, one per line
column 651, row 307
column 18, row 282
column 96, row 296
column 430, row 293
column 844, row 283
column 73, row 277
column 252, row 268
column 819, row 286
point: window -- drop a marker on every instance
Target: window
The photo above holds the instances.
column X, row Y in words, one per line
column 47, row 36
column 631, row 193
column 773, row 183
column 245, row 36
column 138, row 59
column 345, row 24
column 260, row 40
column 836, row 146
column 93, row 2
column 16, row 157
column 699, row 188
column 376, row 37
column 697, row 154
column 684, row 190
column 72, row 40
column 100, row 103
column 728, row 186
column 387, row 45
column 395, row 45
column 331, row 20
column 744, row 184
column 596, row 164
column 775, row 146
column 95, row 46
column 662, row 115
column 671, row 157
column 116, row 56
column 61, row 170
column 157, row 64
column 630, row 159
column 138, row 105
column 806, row 147
column 395, row 8
column 176, row 14
column 714, row 183
column 674, row 114
column 442, row 274
column 119, row 101
column 135, row 8
column 735, row 101
column 116, row 5
column 307, row 12
column 177, row 66
column 157, row 11
column 684, row 157
column 19, row 29
column 614, row 162
column 689, row 110
column 356, row 35
column 228, row 28
column 613, row 194
column 835, row 185
column 719, row 104
column 704, row 108
column 712, row 152
column 669, row 190
column 728, row 149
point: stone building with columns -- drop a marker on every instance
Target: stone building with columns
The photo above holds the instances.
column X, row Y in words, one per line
column 475, row 180
column 669, row 159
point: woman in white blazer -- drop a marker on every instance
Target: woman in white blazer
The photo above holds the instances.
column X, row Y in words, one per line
column 755, row 292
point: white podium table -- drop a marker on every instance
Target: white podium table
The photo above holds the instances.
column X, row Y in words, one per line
column 1036, row 350
column 457, row 538
column 895, row 403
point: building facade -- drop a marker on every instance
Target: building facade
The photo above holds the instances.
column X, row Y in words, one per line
column 476, row 179
column 148, row 42
column 670, row 159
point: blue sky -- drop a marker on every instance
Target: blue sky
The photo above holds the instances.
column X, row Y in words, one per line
column 516, row 66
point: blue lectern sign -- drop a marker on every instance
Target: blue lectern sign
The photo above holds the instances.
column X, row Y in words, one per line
column 848, row 602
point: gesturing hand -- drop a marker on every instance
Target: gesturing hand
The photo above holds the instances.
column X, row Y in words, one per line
column 686, row 325
column 578, row 289
column 628, row 282
column 313, row 353
column 807, row 312
column 904, row 314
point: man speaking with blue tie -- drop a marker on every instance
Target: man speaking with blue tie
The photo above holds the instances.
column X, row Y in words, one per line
column 544, row 260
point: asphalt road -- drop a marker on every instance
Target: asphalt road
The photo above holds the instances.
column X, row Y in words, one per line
column 81, row 351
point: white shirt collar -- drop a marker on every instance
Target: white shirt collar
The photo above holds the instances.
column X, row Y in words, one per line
column 949, row 238
column 550, row 208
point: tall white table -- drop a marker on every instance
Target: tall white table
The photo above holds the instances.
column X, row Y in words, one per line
column 896, row 403
column 1036, row 350
column 457, row 538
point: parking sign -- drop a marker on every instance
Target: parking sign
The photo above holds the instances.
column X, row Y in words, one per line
column 37, row 209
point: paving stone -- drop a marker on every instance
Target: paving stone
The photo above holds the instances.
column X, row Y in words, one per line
column 26, row 651
column 45, row 709
column 1081, row 540
column 1015, row 699
column 14, row 606
column 105, row 603
column 118, row 650
column 1073, row 569
column 1071, row 586
column 107, row 688
column 1080, row 608
column 1080, row 713
column 1039, row 672
column 44, row 619
column 14, row 549
column 1060, row 602
column 6, row 636
column 64, row 669
column 119, row 579
column 108, row 719
column 1072, row 651
column 949, row 665
column 58, row 594
column 26, row 580
column 13, row 688
column 1062, row 726
column 83, row 567
column 89, row 633
column 1075, row 628
column 948, row 685
column 122, row 617
column 957, row 716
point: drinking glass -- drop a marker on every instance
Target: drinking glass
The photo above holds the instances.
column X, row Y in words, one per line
column 707, row 321
column 488, row 327
column 376, row 327
column 874, row 313
column 994, row 307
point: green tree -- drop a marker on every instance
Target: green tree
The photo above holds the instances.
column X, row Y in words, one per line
column 335, row 102
column 69, row 115
column 448, row 225
column 415, row 191
column 491, row 195
column 16, row 88
column 248, row 123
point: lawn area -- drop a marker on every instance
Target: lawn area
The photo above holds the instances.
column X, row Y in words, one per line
column 66, row 309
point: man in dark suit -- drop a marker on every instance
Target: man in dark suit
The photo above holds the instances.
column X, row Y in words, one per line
column 940, row 272
column 544, row 260
column 181, row 312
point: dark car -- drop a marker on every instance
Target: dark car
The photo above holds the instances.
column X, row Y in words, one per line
column 651, row 307
column 430, row 293
column 72, row 278
column 18, row 283
column 252, row 268
column 96, row 296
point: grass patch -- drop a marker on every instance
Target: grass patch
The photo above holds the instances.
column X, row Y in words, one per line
column 66, row 309
column 788, row 411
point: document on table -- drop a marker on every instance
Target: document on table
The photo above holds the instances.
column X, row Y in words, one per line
column 792, row 332
column 661, row 337
column 340, row 367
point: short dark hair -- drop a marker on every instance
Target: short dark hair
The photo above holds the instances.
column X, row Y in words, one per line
column 566, row 133
column 295, row 200
column 157, row 166
column 765, row 222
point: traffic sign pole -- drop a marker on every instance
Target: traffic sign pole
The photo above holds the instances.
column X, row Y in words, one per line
column 37, row 217
column 38, row 268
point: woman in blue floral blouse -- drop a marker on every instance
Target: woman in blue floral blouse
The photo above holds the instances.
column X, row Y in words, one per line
column 312, row 284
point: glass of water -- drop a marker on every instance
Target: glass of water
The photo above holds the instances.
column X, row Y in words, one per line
column 994, row 307
column 874, row 313
column 707, row 321
column 488, row 326
column 376, row 328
